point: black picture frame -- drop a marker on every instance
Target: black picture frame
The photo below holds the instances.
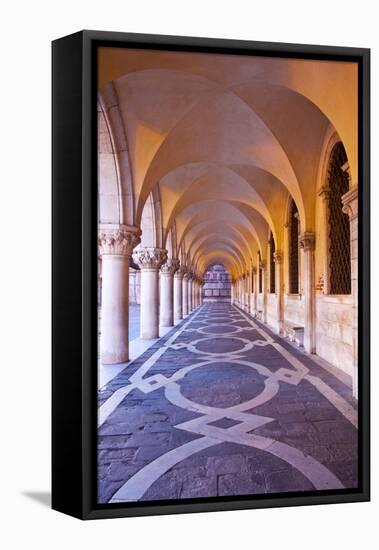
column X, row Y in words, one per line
column 74, row 269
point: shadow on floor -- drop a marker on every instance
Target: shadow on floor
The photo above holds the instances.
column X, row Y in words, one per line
column 41, row 497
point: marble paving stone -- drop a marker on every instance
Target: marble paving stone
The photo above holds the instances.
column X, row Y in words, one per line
column 233, row 415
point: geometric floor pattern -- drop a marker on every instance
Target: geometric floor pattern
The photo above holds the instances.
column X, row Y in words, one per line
column 222, row 406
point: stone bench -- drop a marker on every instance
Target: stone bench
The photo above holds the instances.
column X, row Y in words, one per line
column 294, row 332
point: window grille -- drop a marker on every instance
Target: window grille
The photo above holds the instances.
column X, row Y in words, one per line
column 338, row 223
column 272, row 263
column 293, row 222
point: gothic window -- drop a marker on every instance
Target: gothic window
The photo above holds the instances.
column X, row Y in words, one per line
column 293, row 227
column 338, row 224
column 272, row 263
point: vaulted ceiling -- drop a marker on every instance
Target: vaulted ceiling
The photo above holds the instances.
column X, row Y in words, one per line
column 225, row 139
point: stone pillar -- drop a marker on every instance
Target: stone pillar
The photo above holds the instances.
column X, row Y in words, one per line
column 255, row 300
column 116, row 243
column 278, row 259
column 350, row 207
column 190, row 294
column 247, row 287
column 150, row 260
column 307, row 244
column 186, row 277
column 166, row 306
column 262, row 265
column 178, row 295
column 324, row 192
column 194, row 285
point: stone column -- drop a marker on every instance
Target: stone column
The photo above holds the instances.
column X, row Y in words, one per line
column 194, row 285
column 116, row 243
column 255, row 300
column 350, row 207
column 197, row 293
column 186, row 276
column 166, row 307
column 307, row 244
column 247, row 287
column 190, row 293
column 324, row 194
column 150, row 260
column 278, row 259
column 178, row 295
column 264, row 289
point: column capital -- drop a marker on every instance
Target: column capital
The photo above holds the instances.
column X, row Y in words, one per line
column 278, row 257
column 150, row 258
column 179, row 272
column 324, row 192
column 350, row 203
column 187, row 274
column 170, row 266
column 307, row 241
column 262, row 264
column 117, row 239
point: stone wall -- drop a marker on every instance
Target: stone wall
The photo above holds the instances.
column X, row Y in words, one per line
column 294, row 309
column 272, row 313
column 334, row 330
column 217, row 286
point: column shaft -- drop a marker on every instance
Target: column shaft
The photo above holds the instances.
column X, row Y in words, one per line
column 278, row 258
column 264, row 290
column 150, row 260
column 116, row 243
column 350, row 207
column 178, row 296
column 185, row 296
column 307, row 243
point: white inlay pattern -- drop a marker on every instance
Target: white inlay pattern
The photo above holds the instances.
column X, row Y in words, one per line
column 246, row 422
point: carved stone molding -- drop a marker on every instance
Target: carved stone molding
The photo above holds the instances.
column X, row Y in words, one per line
column 278, row 257
column 117, row 239
column 187, row 274
column 170, row 267
column 324, row 192
column 150, row 258
column 307, row 241
column 180, row 271
column 350, row 203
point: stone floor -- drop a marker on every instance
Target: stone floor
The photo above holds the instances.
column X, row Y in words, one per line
column 222, row 406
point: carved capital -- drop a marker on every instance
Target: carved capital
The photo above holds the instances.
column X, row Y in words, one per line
column 254, row 270
column 307, row 241
column 278, row 257
column 117, row 239
column 170, row 267
column 350, row 203
column 150, row 258
column 187, row 274
column 324, row 192
column 262, row 264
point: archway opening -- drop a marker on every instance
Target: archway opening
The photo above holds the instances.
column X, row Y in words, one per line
column 217, row 285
